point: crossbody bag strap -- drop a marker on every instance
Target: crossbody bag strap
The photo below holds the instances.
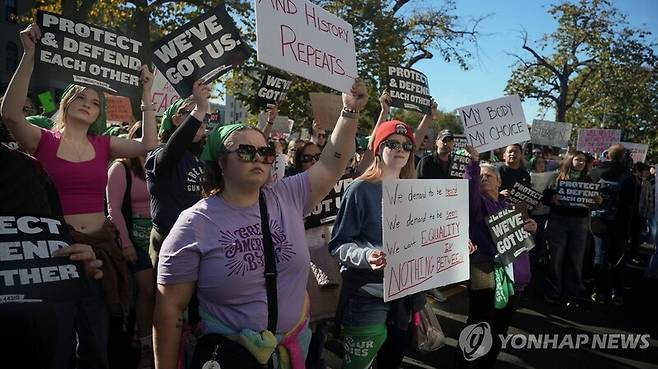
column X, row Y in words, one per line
column 270, row 267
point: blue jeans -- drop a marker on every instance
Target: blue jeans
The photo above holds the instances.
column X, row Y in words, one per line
column 567, row 242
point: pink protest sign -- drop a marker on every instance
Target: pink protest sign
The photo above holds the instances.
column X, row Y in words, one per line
column 595, row 140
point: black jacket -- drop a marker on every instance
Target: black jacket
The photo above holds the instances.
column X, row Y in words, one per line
column 429, row 167
column 618, row 172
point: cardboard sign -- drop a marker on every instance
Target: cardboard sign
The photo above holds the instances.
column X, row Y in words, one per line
column 272, row 89
column 278, row 169
column 425, row 234
column 595, row 140
column 281, row 127
column 326, row 109
column 548, row 133
column 409, row 90
column 84, row 54
column 507, row 232
column 204, row 48
column 577, row 194
column 325, row 212
column 460, row 142
column 304, row 39
column 496, row 123
column 459, row 162
column 521, row 193
column 119, row 109
column 29, row 272
column 638, row 151
column 162, row 93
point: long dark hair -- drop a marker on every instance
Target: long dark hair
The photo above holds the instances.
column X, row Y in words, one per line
column 567, row 166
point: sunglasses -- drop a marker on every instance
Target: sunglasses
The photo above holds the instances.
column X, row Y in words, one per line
column 247, row 153
column 322, row 135
column 397, row 145
column 308, row 158
column 447, row 139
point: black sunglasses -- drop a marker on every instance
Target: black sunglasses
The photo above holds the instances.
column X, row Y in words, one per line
column 247, row 153
column 308, row 158
column 397, row 145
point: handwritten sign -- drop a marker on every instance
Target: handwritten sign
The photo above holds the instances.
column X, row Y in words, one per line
column 326, row 211
column 302, row 38
column 577, row 194
column 119, row 109
column 638, row 151
column 496, row 123
column 459, row 162
column 550, row 133
column 409, row 89
column 595, row 140
column 326, row 109
column 85, row 54
column 521, row 193
column 163, row 93
column 278, row 169
column 507, row 232
column 205, row 48
column 272, row 89
column 425, row 234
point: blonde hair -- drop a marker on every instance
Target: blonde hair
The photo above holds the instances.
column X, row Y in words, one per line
column 65, row 102
column 376, row 169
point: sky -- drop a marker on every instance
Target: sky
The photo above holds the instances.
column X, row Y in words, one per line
column 453, row 87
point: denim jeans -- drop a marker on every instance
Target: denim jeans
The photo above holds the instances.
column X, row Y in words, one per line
column 567, row 242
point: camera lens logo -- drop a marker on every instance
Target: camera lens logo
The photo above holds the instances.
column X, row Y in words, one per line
column 475, row 340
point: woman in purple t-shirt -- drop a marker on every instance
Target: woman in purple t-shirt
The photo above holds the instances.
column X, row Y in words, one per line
column 216, row 249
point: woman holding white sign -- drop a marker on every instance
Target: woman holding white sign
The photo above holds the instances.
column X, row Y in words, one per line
column 76, row 156
column 249, row 273
column 484, row 198
column 357, row 243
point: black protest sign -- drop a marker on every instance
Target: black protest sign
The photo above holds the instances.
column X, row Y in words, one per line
column 272, row 89
column 28, row 271
column 507, row 232
column 577, row 194
column 84, row 54
column 521, row 193
column 409, row 90
column 459, row 162
column 460, row 142
column 326, row 211
column 203, row 49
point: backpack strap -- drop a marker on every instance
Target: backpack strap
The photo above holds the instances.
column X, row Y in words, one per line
column 270, row 266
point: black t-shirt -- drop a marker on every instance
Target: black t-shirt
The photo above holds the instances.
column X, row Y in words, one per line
column 509, row 176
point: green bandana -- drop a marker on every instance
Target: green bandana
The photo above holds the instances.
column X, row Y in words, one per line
column 169, row 114
column 215, row 141
column 40, row 121
column 100, row 125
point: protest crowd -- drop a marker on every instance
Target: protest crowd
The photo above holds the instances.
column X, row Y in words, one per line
column 172, row 244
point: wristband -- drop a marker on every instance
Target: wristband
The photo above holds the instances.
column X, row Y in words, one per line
column 147, row 107
column 350, row 114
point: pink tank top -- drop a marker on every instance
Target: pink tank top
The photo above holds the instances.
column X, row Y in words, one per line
column 81, row 186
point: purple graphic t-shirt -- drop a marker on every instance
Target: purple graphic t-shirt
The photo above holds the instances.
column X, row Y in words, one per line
column 221, row 247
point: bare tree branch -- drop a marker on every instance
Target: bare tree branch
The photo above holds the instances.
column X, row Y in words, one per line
column 539, row 57
column 398, row 4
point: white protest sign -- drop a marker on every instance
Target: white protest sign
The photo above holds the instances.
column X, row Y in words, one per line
column 548, row 133
column 282, row 126
column 162, row 93
column 595, row 140
column 302, row 38
column 278, row 169
column 493, row 124
column 425, row 234
column 638, row 151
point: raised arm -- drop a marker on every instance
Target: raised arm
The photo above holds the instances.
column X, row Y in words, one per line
column 26, row 134
column 472, row 173
column 125, row 148
column 385, row 103
column 272, row 113
column 340, row 146
column 425, row 123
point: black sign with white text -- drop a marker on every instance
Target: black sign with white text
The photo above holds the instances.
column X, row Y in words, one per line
column 459, row 162
column 203, row 49
column 28, row 271
column 521, row 193
column 272, row 89
column 409, row 90
column 507, row 232
column 326, row 211
column 577, row 194
column 84, row 54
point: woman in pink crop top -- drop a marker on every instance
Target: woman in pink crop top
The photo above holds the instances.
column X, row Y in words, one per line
column 76, row 157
